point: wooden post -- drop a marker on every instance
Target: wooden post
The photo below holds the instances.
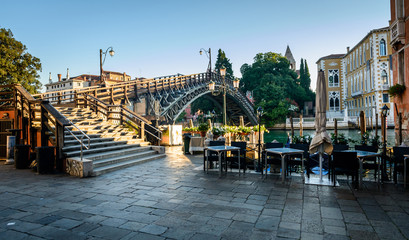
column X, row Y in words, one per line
column 336, row 128
column 142, row 130
column 376, row 124
column 59, row 131
column 301, row 127
column 44, row 136
column 292, row 127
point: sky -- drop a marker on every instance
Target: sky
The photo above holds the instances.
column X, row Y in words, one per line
column 161, row 37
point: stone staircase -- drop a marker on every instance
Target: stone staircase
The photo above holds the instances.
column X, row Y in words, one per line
column 112, row 146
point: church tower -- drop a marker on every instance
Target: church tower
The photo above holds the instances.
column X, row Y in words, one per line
column 290, row 58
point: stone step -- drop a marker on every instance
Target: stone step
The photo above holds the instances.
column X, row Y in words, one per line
column 75, row 142
column 122, row 158
column 94, row 145
column 116, row 153
column 101, row 170
column 93, row 150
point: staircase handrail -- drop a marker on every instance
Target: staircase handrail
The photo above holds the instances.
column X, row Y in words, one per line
column 81, row 141
column 157, row 136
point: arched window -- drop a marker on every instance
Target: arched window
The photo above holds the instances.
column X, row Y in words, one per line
column 384, row 77
column 382, row 47
column 334, row 100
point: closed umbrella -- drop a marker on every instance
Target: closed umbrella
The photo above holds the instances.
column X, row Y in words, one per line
column 321, row 142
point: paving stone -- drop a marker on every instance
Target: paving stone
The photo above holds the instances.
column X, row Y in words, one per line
column 65, row 223
column 109, row 232
column 153, row 229
column 288, row 233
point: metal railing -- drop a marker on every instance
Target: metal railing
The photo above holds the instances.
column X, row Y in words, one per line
column 122, row 116
column 81, row 141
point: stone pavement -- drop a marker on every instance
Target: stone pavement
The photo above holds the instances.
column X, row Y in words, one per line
column 173, row 199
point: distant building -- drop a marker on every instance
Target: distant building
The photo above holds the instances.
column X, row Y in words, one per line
column 289, row 55
column 399, row 26
column 359, row 80
column 332, row 66
column 82, row 81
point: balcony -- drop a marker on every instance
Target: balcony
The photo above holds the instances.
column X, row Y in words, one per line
column 398, row 31
column 356, row 94
column 385, row 87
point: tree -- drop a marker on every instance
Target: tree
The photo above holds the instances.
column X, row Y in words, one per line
column 305, row 79
column 274, row 84
column 16, row 64
column 222, row 60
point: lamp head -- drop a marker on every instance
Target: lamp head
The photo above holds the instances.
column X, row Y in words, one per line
column 111, row 52
column 236, row 83
column 223, row 71
column 385, row 110
column 260, row 111
column 212, row 86
column 201, row 52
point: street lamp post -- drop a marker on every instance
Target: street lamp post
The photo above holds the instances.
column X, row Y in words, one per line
column 384, row 114
column 259, row 114
column 224, row 88
column 102, row 61
column 223, row 74
column 209, row 56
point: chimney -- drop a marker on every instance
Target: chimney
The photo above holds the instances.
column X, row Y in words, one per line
column 50, row 80
column 347, row 49
column 124, row 76
column 59, row 77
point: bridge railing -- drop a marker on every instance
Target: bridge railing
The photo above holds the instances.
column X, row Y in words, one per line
column 119, row 115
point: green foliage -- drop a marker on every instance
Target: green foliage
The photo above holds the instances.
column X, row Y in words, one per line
column 190, row 129
column 222, row 60
column 262, row 128
column 341, row 139
column 218, row 131
column 271, row 80
column 306, row 139
column 16, row 64
column 203, row 127
column 181, row 117
column 204, row 104
column 396, row 90
column 245, row 130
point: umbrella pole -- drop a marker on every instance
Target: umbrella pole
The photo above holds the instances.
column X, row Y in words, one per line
column 321, row 150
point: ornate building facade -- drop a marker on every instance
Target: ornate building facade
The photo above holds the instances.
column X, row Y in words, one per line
column 399, row 39
column 360, row 79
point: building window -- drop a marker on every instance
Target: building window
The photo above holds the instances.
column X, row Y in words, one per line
column 382, row 47
column 385, row 98
column 401, row 67
column 384, row 77
column 333, row 78
column 333, row 101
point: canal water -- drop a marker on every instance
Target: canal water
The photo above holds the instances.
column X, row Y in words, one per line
column 281, row 135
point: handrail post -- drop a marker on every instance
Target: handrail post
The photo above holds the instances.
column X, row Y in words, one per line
column 142, row 130
column 44, row 137
column 59, row 145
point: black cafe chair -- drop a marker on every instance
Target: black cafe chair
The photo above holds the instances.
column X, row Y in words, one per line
column 233, row 159
column 212, row 155
column 299, row 159
column 269, row 157
column 399, row 164
column 371, row 162
column 345, row 163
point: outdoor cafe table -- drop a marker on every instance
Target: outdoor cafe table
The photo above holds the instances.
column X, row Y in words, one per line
column 283, row 152
column 361, row 155
column 219, row 150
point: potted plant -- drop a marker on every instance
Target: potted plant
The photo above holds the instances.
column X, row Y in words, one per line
column 203, row 128
column 218, row 131
column 396, row 90
column 242, row 130
column 262, row 128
